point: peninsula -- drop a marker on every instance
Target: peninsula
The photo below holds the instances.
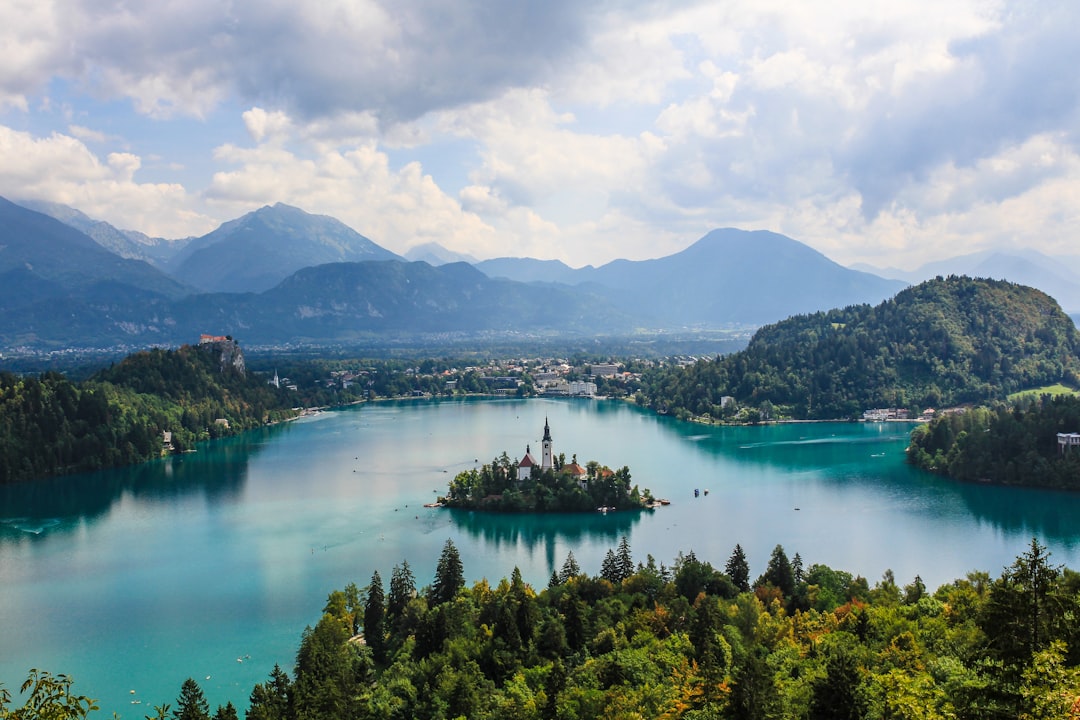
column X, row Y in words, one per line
column 549, row 485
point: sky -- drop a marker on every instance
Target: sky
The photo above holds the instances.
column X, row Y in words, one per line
column 888, row 133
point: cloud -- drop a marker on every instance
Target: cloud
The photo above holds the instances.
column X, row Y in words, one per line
column 581, row 131
column 61, row 169
column 395, row 208
column 397, row 59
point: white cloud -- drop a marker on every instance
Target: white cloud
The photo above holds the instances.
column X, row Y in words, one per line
column 395, row 208
column 61, row 169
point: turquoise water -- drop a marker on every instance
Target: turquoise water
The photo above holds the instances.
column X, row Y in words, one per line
column 210, row 565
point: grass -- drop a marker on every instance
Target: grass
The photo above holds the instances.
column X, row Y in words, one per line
column 1057, row 389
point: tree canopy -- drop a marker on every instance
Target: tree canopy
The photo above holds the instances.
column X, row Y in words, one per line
column 944, row 342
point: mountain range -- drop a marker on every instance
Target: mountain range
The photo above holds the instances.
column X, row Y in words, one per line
column 279, row 275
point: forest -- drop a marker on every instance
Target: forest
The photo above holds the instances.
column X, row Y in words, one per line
column 644, row 640
column 944, row 342
column 1008, row 444
column 50, row 425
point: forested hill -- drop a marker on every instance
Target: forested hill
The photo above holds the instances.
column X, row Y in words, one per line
column 50, row 425
column 943, row 342
column 1015, row 445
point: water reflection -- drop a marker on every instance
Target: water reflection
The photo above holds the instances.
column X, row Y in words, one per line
column 547, row 532
column 218, row 472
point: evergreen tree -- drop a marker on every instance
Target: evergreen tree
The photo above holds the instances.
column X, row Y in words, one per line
column 778, row 573
column 449, row 575
column 374, row 618
column 270, row 700
column 738, row 570
column 570, row 568
column 624, row 560
column 191, row 704
column 838, row 695
column 402, row 590
column 608, row 569
column 228, row 712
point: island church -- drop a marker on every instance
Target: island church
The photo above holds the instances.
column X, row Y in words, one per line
column 547, row 461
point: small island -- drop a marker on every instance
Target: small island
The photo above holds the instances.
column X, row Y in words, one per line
column 550, row 485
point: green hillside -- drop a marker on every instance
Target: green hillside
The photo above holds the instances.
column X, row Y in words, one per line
column 51, row 426
column 944, row 342
column 1012, row 445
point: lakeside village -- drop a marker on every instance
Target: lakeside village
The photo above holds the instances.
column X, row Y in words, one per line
column 548, row 485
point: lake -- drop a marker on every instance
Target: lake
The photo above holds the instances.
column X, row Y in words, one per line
column 210, row 564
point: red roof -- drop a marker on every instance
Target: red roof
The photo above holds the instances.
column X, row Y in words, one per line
column 574, row 469
column 527, row 461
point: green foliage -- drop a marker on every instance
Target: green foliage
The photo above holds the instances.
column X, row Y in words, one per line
column 1009, row 445
column 494, row 486
column 688, row 645
column 50, row 698
column 50, row 425
column 943, row 342
column 191, row 704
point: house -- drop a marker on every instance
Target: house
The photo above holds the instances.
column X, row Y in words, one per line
column 1068, row 441
column 577, row 472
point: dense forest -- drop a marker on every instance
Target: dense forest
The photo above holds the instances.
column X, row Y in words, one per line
column 941, row 343
column 50, row 425
column 689, row 641
column 1013, row 445
column 495, row 487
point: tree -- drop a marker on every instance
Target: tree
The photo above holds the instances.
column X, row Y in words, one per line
column 228, row 712
column 570, row 568
column 624, row 560
column 449, row 576
column 191, row 704
column 270, row 700
column 50, row 698
column 402, row 590
column 838, row 695
column 1020, row 614
column 374, row 618
column 779, row 573
column 738, row 570
column 608, row 569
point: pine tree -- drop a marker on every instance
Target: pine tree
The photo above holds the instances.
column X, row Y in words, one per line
column 608, row 569
column 402, row 590
column 570, row 568
column 449, row 575
column 191, row 705
column 625, row 561
column 374, row 618
column 228, row 712
column 270, row 700
column 779, row 573
column 738, row 570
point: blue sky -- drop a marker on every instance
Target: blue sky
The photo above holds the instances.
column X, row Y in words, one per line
column 890, row 133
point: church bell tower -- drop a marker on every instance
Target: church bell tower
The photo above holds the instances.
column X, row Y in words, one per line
column 546, row 461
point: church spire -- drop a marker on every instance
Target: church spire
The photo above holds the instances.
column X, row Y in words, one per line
column 547, row 459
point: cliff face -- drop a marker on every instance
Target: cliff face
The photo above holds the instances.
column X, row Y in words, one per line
column 229, row 352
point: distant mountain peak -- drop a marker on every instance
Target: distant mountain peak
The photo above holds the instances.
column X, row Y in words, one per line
column 258, row 250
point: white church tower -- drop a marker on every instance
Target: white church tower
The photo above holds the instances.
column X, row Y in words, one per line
column 546, row 461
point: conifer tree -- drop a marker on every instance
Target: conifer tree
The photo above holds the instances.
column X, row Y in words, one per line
column 449, row 575
column 570, row 568
column 738, row 570
column 374, row 618
column 402, row 589
column 228, row 712
column 608, row 569
column 270, row 700
column 191, row 704
column 624, row 560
